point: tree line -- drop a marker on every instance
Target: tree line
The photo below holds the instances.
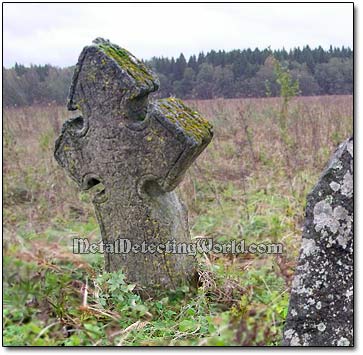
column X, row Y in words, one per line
column 216, row 74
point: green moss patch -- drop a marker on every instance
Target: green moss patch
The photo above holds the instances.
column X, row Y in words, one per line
column 128, row 62
column 192, row 123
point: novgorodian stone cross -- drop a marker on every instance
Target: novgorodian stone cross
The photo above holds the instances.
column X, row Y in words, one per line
column 139, row 150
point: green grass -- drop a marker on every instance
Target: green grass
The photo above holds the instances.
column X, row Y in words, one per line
column 246, row 294
column 45, row 302
column 174, row 318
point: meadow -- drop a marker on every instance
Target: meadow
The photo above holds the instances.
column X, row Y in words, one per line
column 250, row 183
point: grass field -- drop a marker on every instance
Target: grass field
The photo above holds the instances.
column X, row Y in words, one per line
column 250, row 183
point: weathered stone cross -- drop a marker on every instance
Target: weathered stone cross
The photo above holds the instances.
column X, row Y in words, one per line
column 139, row 150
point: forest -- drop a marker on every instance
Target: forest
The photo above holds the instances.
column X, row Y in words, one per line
column 216, row 74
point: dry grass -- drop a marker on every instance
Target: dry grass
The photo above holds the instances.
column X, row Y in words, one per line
column 246, row 148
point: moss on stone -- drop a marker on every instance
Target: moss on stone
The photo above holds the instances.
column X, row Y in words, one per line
column 128, row 62
column 192, row 123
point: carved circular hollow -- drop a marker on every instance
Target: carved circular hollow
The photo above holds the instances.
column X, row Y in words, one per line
column 148, row 186
column 78, row 126
column 139, row 125
column 89, row 181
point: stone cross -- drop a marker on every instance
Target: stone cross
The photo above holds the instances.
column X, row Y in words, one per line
column 321, row 304
column 139, row 150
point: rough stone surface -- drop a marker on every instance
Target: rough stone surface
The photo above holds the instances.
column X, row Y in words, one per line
column 139, row 150
column 321, row 304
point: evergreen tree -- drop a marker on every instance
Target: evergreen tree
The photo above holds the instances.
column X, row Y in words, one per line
column 179, row 68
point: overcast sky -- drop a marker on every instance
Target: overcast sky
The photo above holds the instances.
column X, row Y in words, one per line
column 56, row 33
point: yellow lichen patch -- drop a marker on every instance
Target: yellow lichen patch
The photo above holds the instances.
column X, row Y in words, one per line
column 192, row 123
